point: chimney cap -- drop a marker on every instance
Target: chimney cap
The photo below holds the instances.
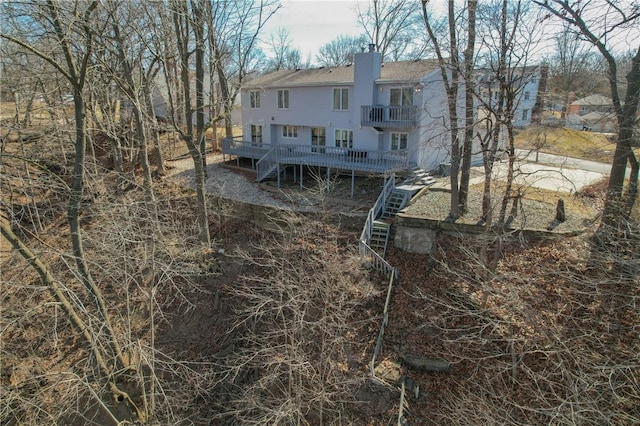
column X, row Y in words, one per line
column 372, row 47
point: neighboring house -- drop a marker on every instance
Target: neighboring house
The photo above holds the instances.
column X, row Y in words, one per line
column 592, row 103
column 594, row 113
column 371, row 117
column 603, row 122
column 529, row 84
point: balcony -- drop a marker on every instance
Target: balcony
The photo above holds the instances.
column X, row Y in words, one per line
column 388, row 117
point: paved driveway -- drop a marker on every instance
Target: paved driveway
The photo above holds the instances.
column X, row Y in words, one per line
column 552, row 172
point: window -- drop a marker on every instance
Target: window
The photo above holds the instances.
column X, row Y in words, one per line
column 401, row 96
column 525, row 114
column 254, row 99
column 341, row 98
column 526, row 96
column 283, row 99
column 256, row 134
column 344, row 138
column 289, row 131
column 318, row 139
column 398, row 98
column 398, row 141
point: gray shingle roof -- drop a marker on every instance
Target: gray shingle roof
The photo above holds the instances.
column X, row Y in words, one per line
column 402, row 71
column 593, row 100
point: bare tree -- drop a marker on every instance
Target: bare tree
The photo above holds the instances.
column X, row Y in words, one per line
column 390, row 25
column 529, row 347
column 128, row 73
column 63, row 24
column 233, row 37
column 340, row 51
column 509, row 38
column 587, row 21
column 283, row 55
column 469, row 105
column 73, row 27
column 450, row 74
column 294, row 307
column 574, row 66
column 188, row 27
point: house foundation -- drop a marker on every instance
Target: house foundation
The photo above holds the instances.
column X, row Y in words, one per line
column 415, row 240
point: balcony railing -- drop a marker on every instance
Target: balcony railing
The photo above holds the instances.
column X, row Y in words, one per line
column 386, row 116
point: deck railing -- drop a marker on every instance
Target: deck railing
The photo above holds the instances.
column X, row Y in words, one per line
column 241, row 148
column 371, row 161
column 388, row 116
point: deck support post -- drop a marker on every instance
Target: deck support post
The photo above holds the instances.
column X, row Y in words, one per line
column 253, row 165
column 278, row 171
column 384, row 184
column 353, row 181
column 237, row 161
column 301, row 177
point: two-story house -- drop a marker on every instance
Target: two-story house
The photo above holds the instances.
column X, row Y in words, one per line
column 369, row 117
column 527, row 86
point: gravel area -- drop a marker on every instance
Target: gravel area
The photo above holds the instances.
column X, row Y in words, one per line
column 531, row 214
column 239, row 184
column 225, row 182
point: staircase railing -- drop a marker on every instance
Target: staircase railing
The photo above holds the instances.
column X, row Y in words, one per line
column 376, row 210
column 267, row 163
column 380, row 264
column 365, row 237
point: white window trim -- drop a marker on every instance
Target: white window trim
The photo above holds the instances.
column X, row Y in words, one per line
column 257, row 134
column 317, row 147
column 391, row 148
column 254, row 95
column 402, row 88
column 340, row 106
column 285, row 99
column 349, row 141
column 289, row 131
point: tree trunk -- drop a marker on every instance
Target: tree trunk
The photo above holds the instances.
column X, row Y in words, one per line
column 181, row 25
column 469, row 107
column 198, row 30
column 451, row 88
column 157, row 147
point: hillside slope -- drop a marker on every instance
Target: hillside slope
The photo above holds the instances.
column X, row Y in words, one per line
column 568, row 142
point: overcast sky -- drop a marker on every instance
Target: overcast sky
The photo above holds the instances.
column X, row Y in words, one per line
column 314, row 23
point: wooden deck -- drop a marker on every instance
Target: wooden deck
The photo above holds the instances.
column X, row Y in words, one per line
column 273, row 156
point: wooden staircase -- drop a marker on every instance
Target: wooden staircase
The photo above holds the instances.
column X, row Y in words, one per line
column 380, row 236
column 382, row 225
column 397, row 200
